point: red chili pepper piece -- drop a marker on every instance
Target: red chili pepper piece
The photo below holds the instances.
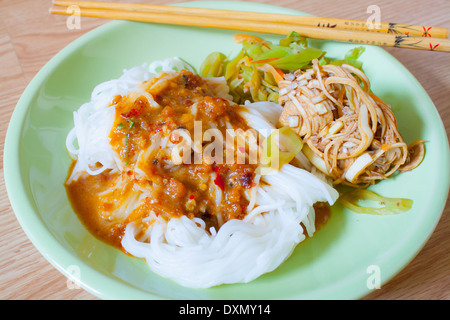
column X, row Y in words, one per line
column 132, row 113
column 219, row 182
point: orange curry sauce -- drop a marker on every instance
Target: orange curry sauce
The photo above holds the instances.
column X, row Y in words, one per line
column 185, row 189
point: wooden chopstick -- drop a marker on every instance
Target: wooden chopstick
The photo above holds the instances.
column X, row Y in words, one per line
column 344, row 24
column 223, row 19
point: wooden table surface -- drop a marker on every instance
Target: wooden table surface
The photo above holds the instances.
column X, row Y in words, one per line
column 30, row 37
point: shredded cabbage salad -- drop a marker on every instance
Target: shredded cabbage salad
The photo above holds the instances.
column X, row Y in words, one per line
column 253, row 74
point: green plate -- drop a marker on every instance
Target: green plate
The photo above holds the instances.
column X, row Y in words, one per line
column 344, row 260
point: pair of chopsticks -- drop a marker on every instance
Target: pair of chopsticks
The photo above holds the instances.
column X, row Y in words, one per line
column 354, row 31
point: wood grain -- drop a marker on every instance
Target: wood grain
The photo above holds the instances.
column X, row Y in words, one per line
column 30, row 37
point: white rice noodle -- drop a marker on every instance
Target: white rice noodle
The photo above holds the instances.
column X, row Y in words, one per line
column 220, row 87
column 241, row 250
column 262, row 116
column 182, row 249
column 169, row 64
column 88, row 141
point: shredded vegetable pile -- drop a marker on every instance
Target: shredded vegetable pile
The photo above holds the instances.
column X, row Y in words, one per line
column 350, row 134
column 345, row 130
column 254, row 73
